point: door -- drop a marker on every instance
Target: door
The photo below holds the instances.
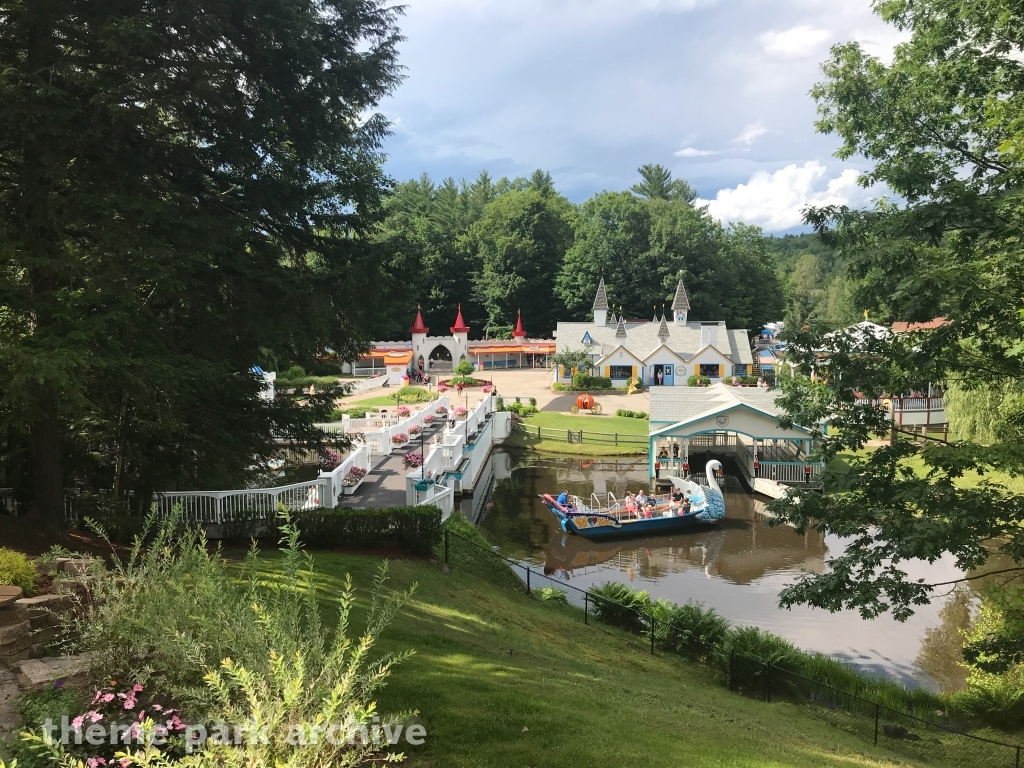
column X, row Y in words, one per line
column 662, row 375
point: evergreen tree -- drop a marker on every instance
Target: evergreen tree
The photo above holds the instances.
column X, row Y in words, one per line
column 180, row 192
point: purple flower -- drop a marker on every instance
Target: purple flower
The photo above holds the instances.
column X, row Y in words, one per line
column 58, row 683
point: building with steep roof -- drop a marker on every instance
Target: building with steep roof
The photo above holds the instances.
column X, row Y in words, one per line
column 661, row 352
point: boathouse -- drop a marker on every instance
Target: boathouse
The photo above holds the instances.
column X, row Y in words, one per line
column 662, row 352
column 741, row 423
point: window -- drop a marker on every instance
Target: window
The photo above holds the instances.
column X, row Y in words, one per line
column 739, row 370
column 709, row 370
column 620, row 371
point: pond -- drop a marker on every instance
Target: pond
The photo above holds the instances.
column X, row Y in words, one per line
column 738, row 568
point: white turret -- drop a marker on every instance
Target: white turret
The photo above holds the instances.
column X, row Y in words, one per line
column 680, row 304
column 601, row 305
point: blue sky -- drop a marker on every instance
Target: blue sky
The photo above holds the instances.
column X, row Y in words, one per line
column 591, row 89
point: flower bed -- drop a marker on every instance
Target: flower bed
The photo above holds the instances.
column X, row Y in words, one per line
column 400, row 439
column 428, row 419
column 442, row 388
column 329, row 459
column 460, row 412
column 402, row 412
column 412, row 460
column 488, row 389
column 441, row 411
column 415, row 429
column 466, row 381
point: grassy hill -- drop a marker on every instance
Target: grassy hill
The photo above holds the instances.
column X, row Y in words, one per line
column 502, row 680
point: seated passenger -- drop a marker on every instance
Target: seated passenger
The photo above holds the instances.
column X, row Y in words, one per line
column 563, row 498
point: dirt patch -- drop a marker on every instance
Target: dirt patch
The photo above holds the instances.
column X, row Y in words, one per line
column 26, row 533
column 9, row 720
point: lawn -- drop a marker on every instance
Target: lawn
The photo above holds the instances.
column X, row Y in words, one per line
column 588, row 423
column 421, row 396
column 502, row 680
column 969, row 479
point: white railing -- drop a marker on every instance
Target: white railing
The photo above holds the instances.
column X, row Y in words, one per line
column 379, row 438
column 358, row 459
column 907, row 403
column 790, row 471
column 248, row 504
column 374, row 381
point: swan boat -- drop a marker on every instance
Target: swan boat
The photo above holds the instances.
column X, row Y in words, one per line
column 612, row 518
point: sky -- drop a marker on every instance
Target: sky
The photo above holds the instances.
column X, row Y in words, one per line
column 589, row 90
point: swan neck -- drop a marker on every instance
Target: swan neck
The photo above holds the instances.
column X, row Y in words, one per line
column 712, row 483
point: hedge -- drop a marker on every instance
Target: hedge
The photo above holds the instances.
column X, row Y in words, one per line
column 414, row 530
column 585, row 381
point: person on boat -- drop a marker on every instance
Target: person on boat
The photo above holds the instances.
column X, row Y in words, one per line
column 563, row 499
column 631, row 507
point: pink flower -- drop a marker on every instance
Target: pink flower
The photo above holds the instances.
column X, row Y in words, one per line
column 94, row 716
column 142, row 715
column 98, row 696
column 95, row 762
column 126, row 762
column 158, row 708
column 137, row 688
column 107, row 698
column 130, row 703
column 77, row 722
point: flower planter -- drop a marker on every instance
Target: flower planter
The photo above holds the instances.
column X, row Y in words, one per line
column 348, row 490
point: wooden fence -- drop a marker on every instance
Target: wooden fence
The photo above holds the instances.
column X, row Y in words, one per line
column 583, row 436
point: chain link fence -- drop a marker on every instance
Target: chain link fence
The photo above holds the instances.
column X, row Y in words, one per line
column 908, row 735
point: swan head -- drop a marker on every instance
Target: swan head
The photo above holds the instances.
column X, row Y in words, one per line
column 714, row 467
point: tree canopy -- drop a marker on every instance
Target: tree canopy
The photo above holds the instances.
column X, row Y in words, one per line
column 181, row 195
column 941, row 126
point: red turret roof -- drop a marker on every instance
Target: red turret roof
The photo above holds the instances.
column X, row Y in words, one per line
column 519, row 333
column 418, row 326
column 460, row 325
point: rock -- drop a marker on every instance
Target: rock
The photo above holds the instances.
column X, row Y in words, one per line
column 12, row 632
column 9, row 595
column 36, row 674
column 13, row 614
column 44, row 604
column 79, row 567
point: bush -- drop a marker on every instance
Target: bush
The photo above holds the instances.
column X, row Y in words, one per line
column 466, row 381
column 560, row 387
column 16, row 570
column 586, row 381
column 413, row 395
column 533, row 401
column 625, row 413
column 551, row 595
column 464, row 368
column 521, row 408
column 295, row 372
column 240, row 645
column 698, row 381
column 414, row 530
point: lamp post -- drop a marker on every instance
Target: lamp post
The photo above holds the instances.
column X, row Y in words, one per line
column 465, row 404
column 423, row 458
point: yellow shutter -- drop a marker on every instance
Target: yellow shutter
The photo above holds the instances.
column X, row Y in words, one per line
column 607, row 371
column 721, row 370
column 632, row 370
column 561, row 371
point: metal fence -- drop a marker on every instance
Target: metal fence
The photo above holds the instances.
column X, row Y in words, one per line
column 910, row 736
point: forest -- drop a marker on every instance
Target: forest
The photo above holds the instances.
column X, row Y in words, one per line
column 500, row 247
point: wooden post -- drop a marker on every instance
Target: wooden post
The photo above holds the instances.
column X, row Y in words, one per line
column 876, row 726
column 528, row 591
column 446, row 545
column 586, row 607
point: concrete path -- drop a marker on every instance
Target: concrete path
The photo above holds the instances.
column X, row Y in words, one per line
column 384, row 486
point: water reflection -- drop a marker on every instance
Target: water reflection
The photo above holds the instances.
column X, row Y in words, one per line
column 738, row 567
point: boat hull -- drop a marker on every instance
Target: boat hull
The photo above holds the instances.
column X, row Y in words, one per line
column 601, row 526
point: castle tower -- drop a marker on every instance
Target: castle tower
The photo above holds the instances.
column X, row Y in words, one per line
column 419, row 333
column 680, row 304
column 461, row 333
column 519, row 333
column 601, row 305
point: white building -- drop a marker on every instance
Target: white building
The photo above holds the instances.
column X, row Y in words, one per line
column 660, row 351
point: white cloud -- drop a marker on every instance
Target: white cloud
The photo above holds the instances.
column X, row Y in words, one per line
column 775, row 201
column 797, row 43
column 751, row 133
column 694, row 152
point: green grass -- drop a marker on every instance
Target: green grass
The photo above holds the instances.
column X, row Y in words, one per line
column 502, row 680
column 588, row 423
column 421, row 396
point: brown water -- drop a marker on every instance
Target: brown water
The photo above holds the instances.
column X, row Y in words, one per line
column 738, row 568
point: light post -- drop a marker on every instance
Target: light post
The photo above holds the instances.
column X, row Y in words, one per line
column 423, row 458
column 465, row 404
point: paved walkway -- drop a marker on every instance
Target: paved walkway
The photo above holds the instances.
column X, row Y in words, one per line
column 384, row 486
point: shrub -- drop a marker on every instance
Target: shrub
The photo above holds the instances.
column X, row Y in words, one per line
column 295, row 372
column 533, row 401
column 551, row 595
column 464, row 368
column 400, row 438
column 698, row 381
column 625, row 413
column 16, row 570
column 355, row 474
column 466, row 381
column 620, row 606
column 414, row 530
column 521, row 408
column 586, row 381
column 560, row 387
column 179, row 613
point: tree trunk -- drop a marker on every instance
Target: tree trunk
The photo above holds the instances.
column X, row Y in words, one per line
column 47, row 487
